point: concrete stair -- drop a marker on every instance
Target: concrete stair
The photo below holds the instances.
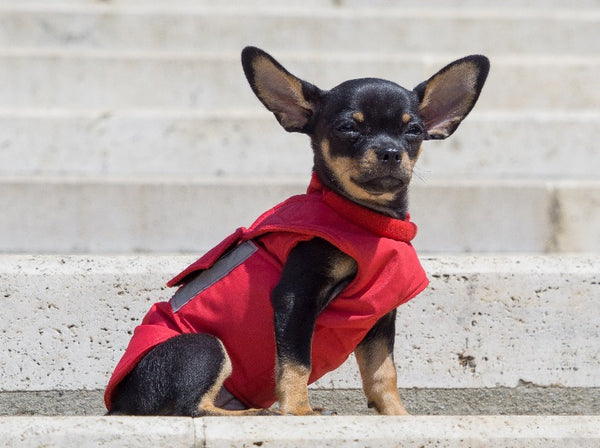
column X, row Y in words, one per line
column 108, row 215
column 484, row 321
column 127, row 127
column 298, row 26
column 201, row 81
column 468, row 345
column 127, row 96
column 168, row 143
column 221, row 432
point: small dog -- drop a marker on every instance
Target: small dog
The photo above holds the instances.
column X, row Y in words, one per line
column 277, row 305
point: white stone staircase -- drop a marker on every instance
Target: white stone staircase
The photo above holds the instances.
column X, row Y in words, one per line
column 127, row 127
column 126, row 116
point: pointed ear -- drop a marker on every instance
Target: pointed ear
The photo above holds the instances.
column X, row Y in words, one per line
column 449, row 95
column 292, row 100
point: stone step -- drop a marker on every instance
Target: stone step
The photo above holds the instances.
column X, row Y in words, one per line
column 199, row 81
column 314, row 4
column 517, row 145
column 524, row 399
column 485, row 321
column 280, row 27
column 159, row 214
column 288, row 432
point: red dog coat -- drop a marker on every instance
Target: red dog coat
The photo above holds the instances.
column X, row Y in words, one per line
column 227, row 292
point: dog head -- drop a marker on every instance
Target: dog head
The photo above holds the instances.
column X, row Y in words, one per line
column 367, row 133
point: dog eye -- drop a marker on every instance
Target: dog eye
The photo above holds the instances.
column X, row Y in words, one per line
column 414, row 129
column 347, row 127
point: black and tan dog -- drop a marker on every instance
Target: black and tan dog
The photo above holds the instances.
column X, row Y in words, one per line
column 275, row 306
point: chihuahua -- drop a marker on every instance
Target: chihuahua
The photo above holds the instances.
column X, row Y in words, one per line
column 275, row 306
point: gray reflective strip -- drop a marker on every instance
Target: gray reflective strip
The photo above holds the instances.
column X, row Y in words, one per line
column 208, row 277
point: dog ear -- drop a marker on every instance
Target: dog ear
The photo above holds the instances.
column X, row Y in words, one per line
column 448, row 96
column 292, row 100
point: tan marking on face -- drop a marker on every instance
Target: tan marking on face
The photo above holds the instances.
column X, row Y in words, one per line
column 406, row 118
column 358, row 116
column 414, row 159
column 345, row 168
column 292, row 388
column 407, row 164
column 379, row 378
column 371, row 157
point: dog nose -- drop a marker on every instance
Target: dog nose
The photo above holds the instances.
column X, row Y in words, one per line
column 389, row 155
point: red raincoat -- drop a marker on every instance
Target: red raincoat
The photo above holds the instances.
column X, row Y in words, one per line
column 227, row 292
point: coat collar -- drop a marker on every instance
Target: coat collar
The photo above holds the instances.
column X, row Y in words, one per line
column 380, row 224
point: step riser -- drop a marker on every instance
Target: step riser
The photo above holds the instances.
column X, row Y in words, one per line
column 526, row 399
column 483, row 321
column 421, row 30
column 289, row 432
column 60, row 80
column 130, row 144
column 303, row 5
column 522, row 400
column 102, row 217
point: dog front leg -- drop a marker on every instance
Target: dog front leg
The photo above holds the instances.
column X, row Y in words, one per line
column 294, row 317
column 376, row 364
column 311, row 277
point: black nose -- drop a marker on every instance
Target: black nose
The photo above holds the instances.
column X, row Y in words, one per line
column 389, row 155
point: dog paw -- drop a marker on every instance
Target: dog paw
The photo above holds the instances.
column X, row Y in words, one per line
column 323, row 411
column 270, row 412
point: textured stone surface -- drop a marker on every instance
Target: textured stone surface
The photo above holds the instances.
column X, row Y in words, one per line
column 70, row 317
column 192, row 144
column 98, row 432
column 522, row 400
column 192, row 82
column 93, row 90
column 485, row 321
column 284, row 432
column 576, row 217
column 171, row 215
column 415, row 432
column 297, row 27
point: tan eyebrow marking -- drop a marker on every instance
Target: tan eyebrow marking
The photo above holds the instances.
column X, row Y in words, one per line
column 358, row 116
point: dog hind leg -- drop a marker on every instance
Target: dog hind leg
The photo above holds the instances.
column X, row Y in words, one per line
column 182, row 376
